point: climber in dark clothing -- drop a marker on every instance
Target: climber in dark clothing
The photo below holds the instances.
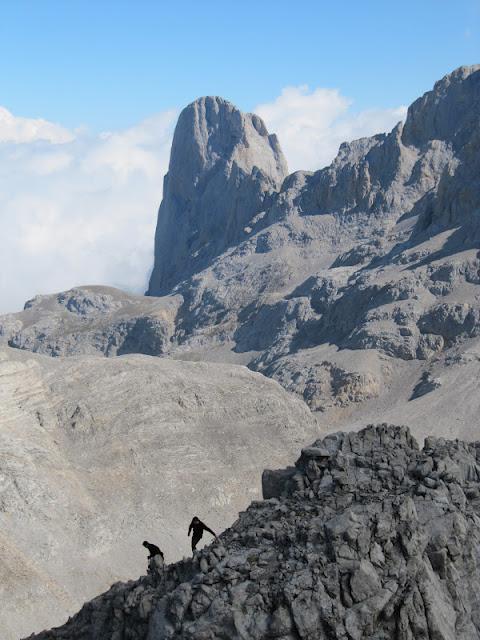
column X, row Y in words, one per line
column 198, row 528
column 156, row 563
column 153, row 549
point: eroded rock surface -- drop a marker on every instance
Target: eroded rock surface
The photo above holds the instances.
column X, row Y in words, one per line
column 367, row 537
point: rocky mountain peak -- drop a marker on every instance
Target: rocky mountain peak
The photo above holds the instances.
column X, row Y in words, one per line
column 223, row 166
column 312, row 282
column 356, row 287
column 450, row 111
column 211, row 130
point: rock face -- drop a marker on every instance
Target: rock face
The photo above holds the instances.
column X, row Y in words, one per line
column 224, row 166
column 330, row 282
column 98, row 454
column 367, row 537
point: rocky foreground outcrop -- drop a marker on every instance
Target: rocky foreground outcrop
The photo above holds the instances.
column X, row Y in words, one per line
column 367, row 537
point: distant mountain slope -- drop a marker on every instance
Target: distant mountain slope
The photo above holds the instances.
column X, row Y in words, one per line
column 90, row 321
column 325, row 281
column 98, row 454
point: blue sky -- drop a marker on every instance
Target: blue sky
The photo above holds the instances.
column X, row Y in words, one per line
column 90, row 92
column 108, row 64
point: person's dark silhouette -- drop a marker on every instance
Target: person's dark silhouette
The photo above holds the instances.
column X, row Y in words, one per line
column 156, row 562
column 198, row 527
column 153, row 549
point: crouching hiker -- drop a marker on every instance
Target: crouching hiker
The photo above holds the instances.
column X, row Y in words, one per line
column 155, row 559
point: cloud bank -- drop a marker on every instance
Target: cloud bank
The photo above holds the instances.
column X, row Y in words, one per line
column 78, row 208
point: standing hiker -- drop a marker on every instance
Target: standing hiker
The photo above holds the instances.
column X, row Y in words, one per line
column 198, row 527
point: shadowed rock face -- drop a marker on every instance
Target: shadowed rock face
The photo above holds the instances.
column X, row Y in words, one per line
column 224, row 166
column 368, row 537
column 448, row 112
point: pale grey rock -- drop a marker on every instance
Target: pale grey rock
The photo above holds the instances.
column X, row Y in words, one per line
column 92, row 320
column 382, row 551
column 440, row 114
column 359, row 254
column 353, row 255
column 224, row 167
column 324, row 384
column 451, row 320
column 99, row 454
column 364, row 583
column 347, row 285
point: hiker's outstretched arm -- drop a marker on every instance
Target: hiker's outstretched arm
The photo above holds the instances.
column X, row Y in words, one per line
column 209, row 530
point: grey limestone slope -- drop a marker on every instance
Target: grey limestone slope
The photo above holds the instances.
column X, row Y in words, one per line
column 98, row 454
column 368, row 537
column 357, row 288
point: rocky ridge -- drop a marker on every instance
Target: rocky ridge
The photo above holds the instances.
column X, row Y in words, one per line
column 367, row 537
column 90, row 321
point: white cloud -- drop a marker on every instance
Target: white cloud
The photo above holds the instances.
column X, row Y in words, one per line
column 80, row 208
column 136, row 149
column 311, row 125
column 24, row 130
column 49, row 162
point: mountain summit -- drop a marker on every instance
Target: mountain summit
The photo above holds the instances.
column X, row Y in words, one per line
column 223, row 166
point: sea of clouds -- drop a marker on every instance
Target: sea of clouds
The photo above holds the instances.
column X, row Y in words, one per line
column 80, row 208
